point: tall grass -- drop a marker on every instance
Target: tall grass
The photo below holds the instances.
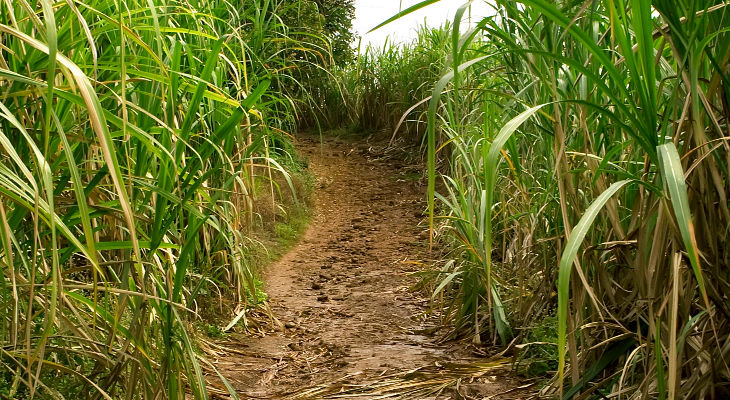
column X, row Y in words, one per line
column 583, row 151
column 380, row 89
column 134, row 135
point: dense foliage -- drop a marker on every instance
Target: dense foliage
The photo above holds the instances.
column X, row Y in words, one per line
column 577, row 158
column 581, row 150
column 374, row 92
column 135, row 136
column 338, row 16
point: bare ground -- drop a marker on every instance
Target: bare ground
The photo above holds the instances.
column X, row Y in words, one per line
column 349, row 323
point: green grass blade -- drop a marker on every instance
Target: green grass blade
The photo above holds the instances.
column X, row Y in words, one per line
column 405, row 12
column 673, row 176
column 566, row 265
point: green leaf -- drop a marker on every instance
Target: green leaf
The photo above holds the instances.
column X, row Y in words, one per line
column 405, row 12
column 673, row 176
column 566, row 265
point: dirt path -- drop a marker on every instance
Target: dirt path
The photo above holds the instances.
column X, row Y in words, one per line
column 349, row 321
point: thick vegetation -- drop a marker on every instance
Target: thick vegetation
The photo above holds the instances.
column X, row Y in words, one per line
column 582, row 162
column 135, row 137
column 578, row 166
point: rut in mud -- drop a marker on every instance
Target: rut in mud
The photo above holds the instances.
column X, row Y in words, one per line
column 349, row 319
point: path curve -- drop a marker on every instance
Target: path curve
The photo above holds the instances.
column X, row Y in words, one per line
column 350, row 320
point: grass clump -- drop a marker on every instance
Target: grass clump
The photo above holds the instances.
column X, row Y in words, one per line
column 539, row 357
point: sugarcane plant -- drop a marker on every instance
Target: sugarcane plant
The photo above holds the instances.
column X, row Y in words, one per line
column 134, row 136
column 582, row 149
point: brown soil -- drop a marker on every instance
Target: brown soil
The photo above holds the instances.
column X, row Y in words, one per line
column 350, row 323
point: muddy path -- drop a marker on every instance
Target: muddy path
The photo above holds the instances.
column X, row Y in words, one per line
column 349, row 322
